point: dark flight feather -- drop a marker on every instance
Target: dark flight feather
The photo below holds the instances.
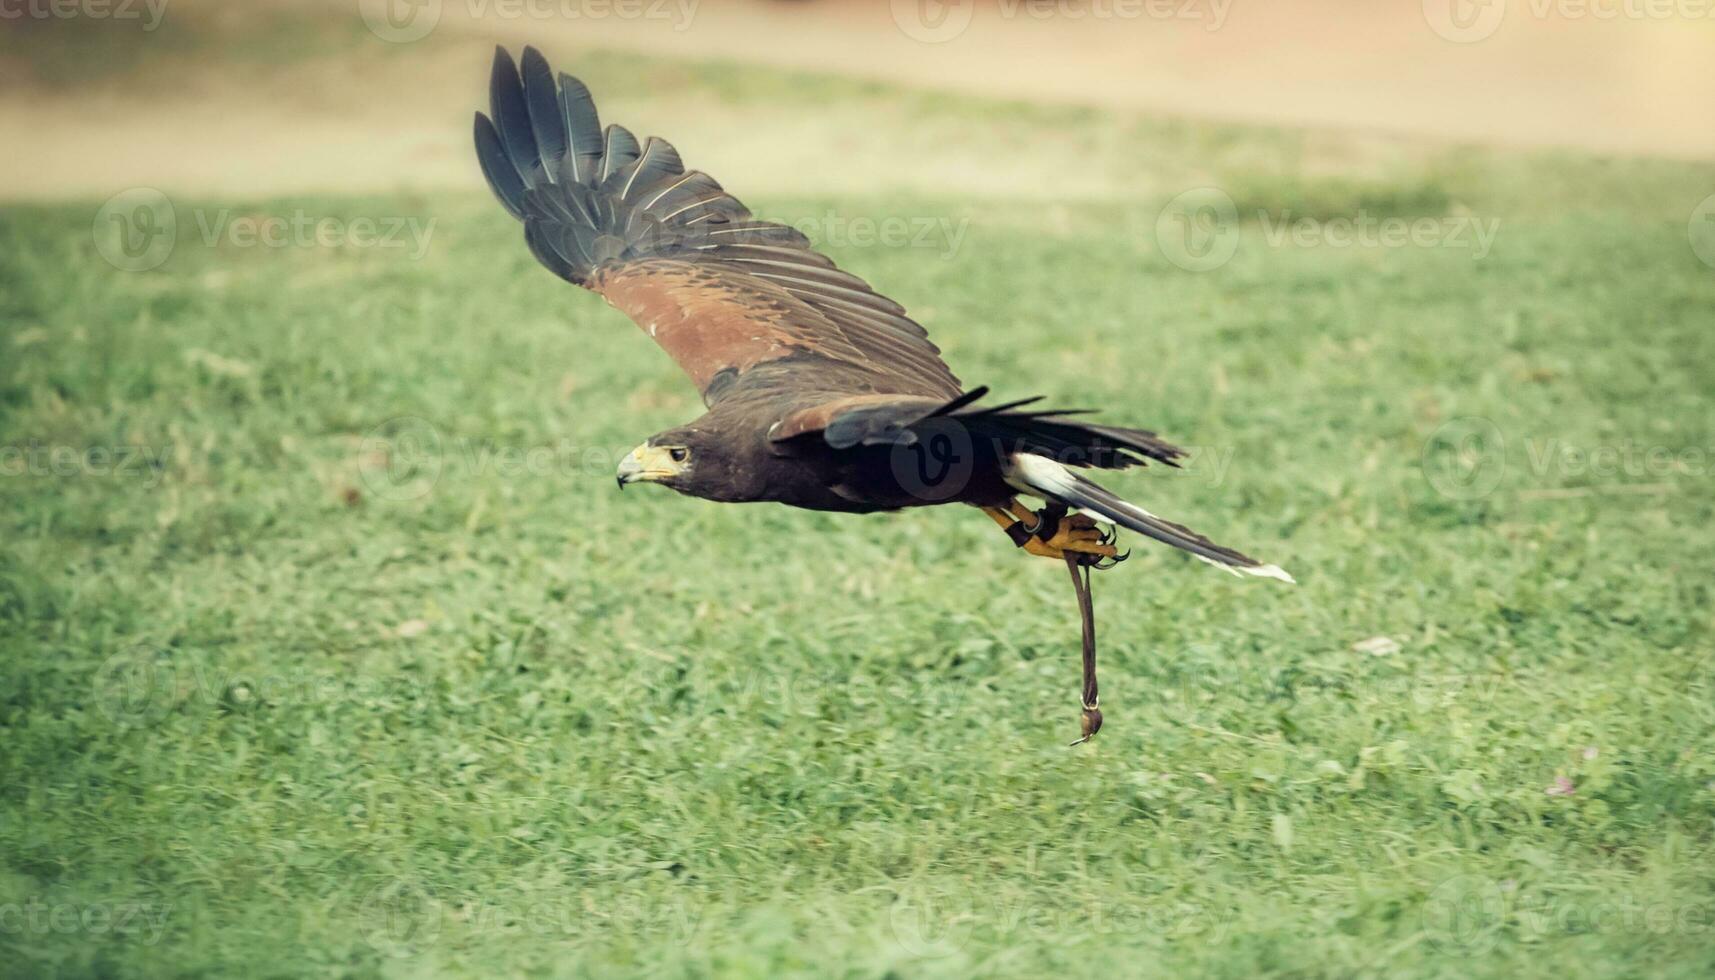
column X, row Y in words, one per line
column 583, row 131
column 512, row 119
column 619, row 148
column 656, row 163
column 502, row 176
column 542, row 99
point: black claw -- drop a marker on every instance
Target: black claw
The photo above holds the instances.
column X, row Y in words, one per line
column 1110, row 537
column 1111, row 562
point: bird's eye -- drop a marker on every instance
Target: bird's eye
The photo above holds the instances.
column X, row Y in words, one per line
column 679, row 454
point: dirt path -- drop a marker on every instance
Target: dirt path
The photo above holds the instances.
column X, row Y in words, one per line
column 394, row 113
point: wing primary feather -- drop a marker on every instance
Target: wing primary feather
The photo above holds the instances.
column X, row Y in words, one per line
column 583, row 129
column 642, row 162
column 619, row 148
column 543, row 101
column 497, row 167
column 512, row 118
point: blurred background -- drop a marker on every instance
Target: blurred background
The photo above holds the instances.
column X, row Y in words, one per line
column 286, row 96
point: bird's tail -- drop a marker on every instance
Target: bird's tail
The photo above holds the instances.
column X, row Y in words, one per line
column 1020, row 427
column 1043, row 476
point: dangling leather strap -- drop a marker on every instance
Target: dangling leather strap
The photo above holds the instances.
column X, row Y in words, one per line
column 1092, row 721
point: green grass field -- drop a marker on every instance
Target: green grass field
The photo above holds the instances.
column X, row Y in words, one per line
column 330, row 648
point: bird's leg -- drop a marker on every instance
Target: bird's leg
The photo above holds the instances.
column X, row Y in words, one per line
column 1051, row 532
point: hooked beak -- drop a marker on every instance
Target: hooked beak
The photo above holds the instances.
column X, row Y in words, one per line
column 646, row 464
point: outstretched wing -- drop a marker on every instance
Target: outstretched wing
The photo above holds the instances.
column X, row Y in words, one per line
column 718, row 290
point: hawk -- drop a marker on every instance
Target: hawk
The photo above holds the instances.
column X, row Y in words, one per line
column 820, row 392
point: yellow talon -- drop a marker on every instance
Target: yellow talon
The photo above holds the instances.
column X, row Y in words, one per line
column 1077, row 533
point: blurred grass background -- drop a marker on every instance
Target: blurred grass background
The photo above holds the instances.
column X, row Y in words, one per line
column 330, row 649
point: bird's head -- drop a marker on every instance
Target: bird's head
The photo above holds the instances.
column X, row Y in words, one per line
column 687, row 459
column 665, row 458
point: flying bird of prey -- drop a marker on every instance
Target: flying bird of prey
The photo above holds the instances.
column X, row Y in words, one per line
column 820, row 392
